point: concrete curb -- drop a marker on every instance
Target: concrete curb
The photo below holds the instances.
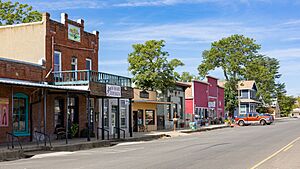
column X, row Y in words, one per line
column 29, row 152
column 204, row 129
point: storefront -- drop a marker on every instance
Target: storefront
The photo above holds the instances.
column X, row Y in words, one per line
column 145, row 116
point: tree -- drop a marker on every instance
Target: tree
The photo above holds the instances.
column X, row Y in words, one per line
column 231, row 54
column 187, row 77
column 286, row 104
column 14, row 13
column 239, row 59
column 264, row 71
column 150, row 66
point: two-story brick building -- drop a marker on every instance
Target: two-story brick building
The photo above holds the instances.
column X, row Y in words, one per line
column 49, row 80
column 205, row 100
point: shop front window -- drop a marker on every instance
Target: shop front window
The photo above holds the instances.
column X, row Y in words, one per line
column 20, row 114
column 105, row 113
column 123, row 114
column 150, row 117
column 58, row 112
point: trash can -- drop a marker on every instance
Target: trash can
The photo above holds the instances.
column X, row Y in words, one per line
column 193, row 125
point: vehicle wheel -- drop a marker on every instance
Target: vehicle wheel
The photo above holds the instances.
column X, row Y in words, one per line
column 263, row 122
column 241, row 123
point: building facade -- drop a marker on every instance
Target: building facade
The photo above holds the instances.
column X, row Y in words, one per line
column 49, row 81
column 205, row 101
column 248, row 101
column 167, row 112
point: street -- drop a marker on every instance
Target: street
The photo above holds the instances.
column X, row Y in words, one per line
column 230, row 148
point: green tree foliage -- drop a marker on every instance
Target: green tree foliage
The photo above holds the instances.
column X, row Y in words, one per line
column 150, row 66
column 286, row 104
column 187, row 77
column 14, row 13
column 265, row 71
column 239, row 59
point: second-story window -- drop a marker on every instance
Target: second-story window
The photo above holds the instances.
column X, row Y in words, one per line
column 88, row 63
column 57, row 63
column 74, row 67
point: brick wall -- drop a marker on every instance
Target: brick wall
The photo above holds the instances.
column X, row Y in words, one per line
column 21, row 71
column 87, row 48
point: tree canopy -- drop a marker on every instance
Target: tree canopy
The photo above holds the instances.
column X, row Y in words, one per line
column 238, row 56
column 151, row 68
column 14, row 13
column 187, row 77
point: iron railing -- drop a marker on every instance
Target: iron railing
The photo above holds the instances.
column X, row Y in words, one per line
column 12, row 136
column 82, row 77
column 42, row 136
column 118, row 128
column 102, row 131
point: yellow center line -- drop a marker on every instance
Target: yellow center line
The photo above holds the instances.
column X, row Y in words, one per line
column 288, row 146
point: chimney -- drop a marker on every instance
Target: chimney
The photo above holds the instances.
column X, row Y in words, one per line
column 63, row 18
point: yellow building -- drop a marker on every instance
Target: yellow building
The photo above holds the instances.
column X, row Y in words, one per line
column 144, row 108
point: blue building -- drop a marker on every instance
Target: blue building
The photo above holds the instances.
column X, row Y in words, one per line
column 248, row 100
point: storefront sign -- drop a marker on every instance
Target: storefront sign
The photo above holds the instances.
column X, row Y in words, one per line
column 74, row 33
column 113, row 91
column 4, row 112
column 212, row 104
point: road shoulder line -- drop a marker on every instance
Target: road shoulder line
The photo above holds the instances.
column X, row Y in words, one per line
column 288, row 146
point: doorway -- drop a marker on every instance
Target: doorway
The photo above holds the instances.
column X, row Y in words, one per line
column 160, row 122
column 138, row 119
column 114, row 111
column 73, row 114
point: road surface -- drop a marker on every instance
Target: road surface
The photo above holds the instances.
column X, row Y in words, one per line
column 230, row 148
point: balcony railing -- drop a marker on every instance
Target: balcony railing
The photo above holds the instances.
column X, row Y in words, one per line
column 83, row 77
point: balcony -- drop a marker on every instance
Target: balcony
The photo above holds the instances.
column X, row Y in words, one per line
column 84, row 77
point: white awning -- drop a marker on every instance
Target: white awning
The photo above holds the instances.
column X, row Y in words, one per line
column 42, row 85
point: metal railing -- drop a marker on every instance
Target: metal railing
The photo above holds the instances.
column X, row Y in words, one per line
column 39, row 135
column 81, row 77
column 12, row 140
column 118, row 128
column 103, row 131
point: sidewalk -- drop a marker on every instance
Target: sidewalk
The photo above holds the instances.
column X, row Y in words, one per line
column 30, row 149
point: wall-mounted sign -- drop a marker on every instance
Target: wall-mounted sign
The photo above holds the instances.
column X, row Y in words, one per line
column 4, row 112
column 144, row 94
column 212, row 104
column 74, row 33
column 113, row 91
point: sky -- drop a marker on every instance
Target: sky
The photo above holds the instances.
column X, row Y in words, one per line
column 188, row 27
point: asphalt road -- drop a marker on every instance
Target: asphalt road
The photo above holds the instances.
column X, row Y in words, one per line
column 240, row 147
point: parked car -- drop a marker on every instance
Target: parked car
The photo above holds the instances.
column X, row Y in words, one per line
column 254, row 118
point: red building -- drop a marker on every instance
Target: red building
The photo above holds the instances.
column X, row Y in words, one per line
column 205, row 100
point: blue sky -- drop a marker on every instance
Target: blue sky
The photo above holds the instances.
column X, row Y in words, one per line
column 188, row 27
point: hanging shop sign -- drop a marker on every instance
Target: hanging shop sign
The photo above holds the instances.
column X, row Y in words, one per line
column 212, row 104
column 74, row 33
column 113, row 91
column 4, row 112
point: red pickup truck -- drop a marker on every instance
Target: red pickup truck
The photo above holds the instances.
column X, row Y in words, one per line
column 254, row 118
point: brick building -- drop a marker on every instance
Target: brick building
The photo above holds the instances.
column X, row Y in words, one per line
column 49, row 81
column 205, row 100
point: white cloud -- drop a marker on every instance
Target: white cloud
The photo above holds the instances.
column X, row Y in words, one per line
column 285, row 54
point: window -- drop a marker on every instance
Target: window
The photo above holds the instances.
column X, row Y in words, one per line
column 150, row 118
column 57, row 63
column 105, row 113
column 243, row 109
column 58, row 113
column 74, row 67
column 88, row 64
column 20, row 114
column 123, row 114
